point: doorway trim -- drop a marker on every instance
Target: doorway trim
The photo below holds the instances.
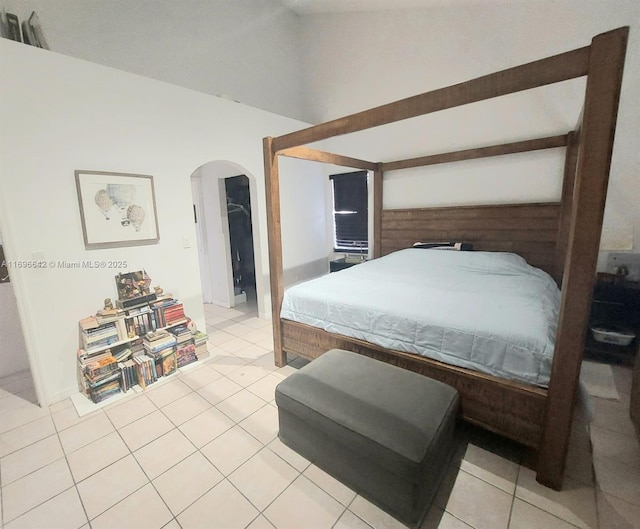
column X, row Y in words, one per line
column 221, row 169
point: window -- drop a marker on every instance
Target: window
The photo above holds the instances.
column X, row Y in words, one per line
column 350, row 217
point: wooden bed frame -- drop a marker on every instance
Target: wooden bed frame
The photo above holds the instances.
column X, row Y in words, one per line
column 561, row 238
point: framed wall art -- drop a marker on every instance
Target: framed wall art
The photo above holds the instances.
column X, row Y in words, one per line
column 117, row 209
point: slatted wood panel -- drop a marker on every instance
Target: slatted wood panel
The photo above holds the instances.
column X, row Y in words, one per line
column 529, row 230
column 509, row 408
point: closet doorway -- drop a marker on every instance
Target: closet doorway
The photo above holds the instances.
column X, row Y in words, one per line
column 226, row 217
column 241, row 239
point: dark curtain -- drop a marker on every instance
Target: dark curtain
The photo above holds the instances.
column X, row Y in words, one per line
column 350, row 210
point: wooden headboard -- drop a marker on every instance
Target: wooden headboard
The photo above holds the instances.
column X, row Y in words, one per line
column 529, row 230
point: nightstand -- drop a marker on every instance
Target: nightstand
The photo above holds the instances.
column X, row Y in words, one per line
column 341, row 264
column 615, row 305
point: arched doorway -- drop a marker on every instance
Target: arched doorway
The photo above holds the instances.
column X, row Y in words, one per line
column 218, row 188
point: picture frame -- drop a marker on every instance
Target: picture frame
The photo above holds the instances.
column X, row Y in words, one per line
column 116, row 209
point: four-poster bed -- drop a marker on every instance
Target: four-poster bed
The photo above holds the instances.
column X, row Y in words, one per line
column 561, row 238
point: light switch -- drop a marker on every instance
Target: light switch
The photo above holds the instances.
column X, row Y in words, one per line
column 186, row 242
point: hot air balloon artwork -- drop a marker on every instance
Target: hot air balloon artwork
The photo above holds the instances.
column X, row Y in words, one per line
column 104, row 202
column 135, row 216
column 117, row 209
column 123, row 196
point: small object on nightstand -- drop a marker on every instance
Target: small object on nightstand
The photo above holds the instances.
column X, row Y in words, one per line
column 613, row 336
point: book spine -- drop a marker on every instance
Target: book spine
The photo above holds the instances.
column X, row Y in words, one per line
column 122, row 329
column 142, row 381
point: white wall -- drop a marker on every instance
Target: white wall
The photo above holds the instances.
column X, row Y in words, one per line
column 247, row 50
column 360, row 60
column 60, row 114
column 13, row 351
column 201, row 238
column 303, row 208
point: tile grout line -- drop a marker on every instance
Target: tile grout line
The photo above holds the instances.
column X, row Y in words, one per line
column 224, row 477
column 149, row 481
column 513, row 497
column 265, row 446
column 116, row 430
column 348, row 508
column 197, row 450
column 173, row 517
column 74, row 485
column 567, row 522
column 596, row 484
column 625, row 436
column 26, row 423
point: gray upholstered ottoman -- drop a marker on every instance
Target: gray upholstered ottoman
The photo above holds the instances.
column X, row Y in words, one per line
column 384, row 431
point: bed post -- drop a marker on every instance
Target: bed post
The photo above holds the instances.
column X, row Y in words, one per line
column 272, row 184
column 377, row 210
column 606, row 62
column 566, row 204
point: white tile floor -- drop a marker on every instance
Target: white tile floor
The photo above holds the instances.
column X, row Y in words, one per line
column 200, row 450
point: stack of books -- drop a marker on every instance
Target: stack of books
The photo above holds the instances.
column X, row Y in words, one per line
column 200, row 341
column 185, row 354
column 108, row 315
column 98, row 375
column 114, row 316
column 168, row 312
column 156, row 341
column 166, row 363
column 141, row 320
column 106, row 387
column 181, row 333
column 185, row 350
column 174, row 314
column 137, row 346
column 98, row 337
column 95, row 366
column 128, row 374
column 145, row 370
column 90, row 322
column 122, row 353
column 160, row 345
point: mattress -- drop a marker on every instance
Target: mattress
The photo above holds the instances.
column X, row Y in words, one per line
column 487, row 311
